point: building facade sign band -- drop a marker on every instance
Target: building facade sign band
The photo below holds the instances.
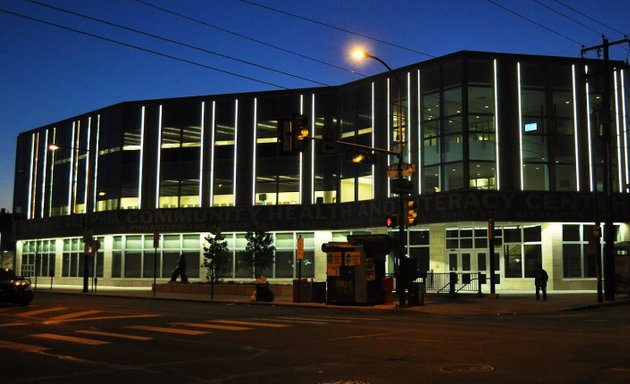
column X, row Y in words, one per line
column 439, row 207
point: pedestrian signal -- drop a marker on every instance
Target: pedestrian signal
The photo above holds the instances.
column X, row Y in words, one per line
column 412, row 214
column 391, row 221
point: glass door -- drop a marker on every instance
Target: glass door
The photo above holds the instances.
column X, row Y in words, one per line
column 467, row 264
column 482, row 260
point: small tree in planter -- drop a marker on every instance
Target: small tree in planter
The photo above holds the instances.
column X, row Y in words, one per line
column 216, row 257
column 259, row 251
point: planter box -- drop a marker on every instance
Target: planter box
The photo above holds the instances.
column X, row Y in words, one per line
column 221, row 289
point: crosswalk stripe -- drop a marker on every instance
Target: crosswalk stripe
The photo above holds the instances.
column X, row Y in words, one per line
column 21, row 347
column 362, row 318
column 291, row 320
column 302, row 320
column 13, row 324
column 115, row 335
column 41, row 311
column 251, row 323
column 70, row 339
column 180, row 331
column 74, row 315
column 102, row 318
column 328, row 320
column 214, row 326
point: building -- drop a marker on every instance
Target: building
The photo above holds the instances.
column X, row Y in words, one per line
column 513, row 138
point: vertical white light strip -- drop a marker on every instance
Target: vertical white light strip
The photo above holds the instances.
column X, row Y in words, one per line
column 419, row 111
column 575, row 130
column 201, row 151
column 389, row 123
column 624, row 119
column 44, row 175
column 496, row 125
column 520, row 126
column 212, row 136
column 588, row 128
column 254, row 152
column 86, row 196
column 97, row 148
column 373, row 142
column 235, row 151
column 407, row 125
column 389, row 133
column 140, row 167
column 52, row 172
column 301, row 156
column 618, row 130
column 29, row 213
column 70, row 170
column 159, row 160
column 313, row 116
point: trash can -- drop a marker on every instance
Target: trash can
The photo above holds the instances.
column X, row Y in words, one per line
column 301, row 290
column 421, row 292
column 412, row 296
column 416, row 293
column 318, row 292
column 388, row 290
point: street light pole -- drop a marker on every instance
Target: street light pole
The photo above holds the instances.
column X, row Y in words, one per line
column 400, row 279
column 88, row 240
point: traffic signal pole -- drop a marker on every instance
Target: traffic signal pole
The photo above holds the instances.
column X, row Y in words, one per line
column 605, row 121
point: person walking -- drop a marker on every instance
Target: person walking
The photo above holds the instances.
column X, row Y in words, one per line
column 540, row 279
column 180, row 269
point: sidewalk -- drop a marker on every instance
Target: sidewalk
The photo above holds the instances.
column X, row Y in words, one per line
column 504, row 304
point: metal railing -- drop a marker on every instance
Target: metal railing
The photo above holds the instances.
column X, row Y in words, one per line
column 454, row 282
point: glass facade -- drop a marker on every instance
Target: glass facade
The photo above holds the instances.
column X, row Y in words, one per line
column 470, row 123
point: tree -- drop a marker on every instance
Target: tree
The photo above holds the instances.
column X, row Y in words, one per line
column 216, row 256
column 259, row 252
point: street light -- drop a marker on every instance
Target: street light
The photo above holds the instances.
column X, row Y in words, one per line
column 91, row 246
column 360, row 54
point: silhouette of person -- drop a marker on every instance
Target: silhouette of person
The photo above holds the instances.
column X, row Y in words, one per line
column 540, row 279
column 180, row 270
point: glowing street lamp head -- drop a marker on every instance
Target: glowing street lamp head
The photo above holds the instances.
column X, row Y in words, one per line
column 53, row 147
column 359, row 54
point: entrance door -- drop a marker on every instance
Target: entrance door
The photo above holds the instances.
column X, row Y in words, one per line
column 464, row 263
column 469, row 262
column 483, row 265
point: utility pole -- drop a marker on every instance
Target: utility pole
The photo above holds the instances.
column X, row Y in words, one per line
column 605, row 121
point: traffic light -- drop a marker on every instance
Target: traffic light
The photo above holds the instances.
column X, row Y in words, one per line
column 300, row 133
column 293, row 134
column 412, row 214
column 391, row 221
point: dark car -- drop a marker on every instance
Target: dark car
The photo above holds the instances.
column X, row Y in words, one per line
column 14, row 289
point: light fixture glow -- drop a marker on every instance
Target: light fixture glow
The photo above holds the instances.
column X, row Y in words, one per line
column 359, row 53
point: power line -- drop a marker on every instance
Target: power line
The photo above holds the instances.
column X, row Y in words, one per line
column 176, row 42
column 567, row 17
column 335, row 27
column 141, row 48
column 531, row 21
column 246, row 37
column 589, row 17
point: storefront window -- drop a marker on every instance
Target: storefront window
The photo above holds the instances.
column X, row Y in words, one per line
column 520, row 255
column 579, row 258
column 513, row 260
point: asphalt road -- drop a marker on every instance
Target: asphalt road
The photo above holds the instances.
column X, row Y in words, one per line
column 83, row 339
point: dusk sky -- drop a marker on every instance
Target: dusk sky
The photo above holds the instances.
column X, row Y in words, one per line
column 61, row 58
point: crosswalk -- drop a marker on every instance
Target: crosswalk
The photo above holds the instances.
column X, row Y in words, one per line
column 141, row 332
column 57, row 315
